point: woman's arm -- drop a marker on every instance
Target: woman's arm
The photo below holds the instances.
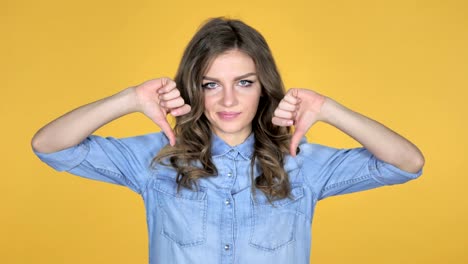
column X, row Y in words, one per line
column 303, row 108
column 381, row 141
column 154, row 98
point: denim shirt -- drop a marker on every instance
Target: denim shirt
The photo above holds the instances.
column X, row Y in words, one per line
column 221, row 222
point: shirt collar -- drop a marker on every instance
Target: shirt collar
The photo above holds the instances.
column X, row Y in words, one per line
column 221, row 148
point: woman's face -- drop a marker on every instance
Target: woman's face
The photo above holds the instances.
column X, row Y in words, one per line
column 232, row 92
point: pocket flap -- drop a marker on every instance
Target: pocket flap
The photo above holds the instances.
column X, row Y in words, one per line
column 297, row 192
column 170, row 188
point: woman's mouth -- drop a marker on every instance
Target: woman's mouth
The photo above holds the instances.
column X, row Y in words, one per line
column 228, row 115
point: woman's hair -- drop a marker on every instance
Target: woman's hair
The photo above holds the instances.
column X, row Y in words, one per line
column 191, row 156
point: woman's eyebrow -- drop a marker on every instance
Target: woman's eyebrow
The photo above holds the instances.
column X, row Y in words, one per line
column 235, row 79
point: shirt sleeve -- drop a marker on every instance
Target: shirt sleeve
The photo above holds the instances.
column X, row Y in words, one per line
column 331, row 171
column 124, row 161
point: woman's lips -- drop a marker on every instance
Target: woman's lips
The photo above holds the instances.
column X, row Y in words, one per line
column 228, row 115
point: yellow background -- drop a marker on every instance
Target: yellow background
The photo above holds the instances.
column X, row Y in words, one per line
column 403, row 62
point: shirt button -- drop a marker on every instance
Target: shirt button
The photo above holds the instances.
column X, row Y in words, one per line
column 229, row 174
column 226, row 247
column 227, row 202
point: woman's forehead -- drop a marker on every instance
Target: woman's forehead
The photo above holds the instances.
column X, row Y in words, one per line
column 232, row 63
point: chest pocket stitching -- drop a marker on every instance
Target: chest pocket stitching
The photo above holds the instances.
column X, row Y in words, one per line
column 184, row 193
column 286, row 211
column 297, row 193
column 184, row 231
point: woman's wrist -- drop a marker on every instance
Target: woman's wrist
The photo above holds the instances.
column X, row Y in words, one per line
column 129, row 100
column 328, row 111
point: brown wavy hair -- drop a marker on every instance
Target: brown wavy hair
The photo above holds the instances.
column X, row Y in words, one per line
column 193, row 132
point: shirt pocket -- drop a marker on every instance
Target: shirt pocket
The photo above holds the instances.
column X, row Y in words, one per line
column 183, row 213
column 273, row 225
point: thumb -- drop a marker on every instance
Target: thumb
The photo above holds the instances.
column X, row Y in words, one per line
column 296, row 138
column 167, row 129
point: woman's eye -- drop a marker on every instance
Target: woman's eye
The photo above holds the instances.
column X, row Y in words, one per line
column 210, row 85
column 245, row 83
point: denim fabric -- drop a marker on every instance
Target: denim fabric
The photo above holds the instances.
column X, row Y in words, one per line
column 224, row 221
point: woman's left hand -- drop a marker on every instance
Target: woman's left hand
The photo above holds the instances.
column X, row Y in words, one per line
column 301, row 108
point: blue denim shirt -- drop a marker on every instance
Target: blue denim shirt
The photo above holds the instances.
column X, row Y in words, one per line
column 221, row 222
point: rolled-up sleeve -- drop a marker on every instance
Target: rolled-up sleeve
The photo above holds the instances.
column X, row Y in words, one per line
column 331, row 171
column 123, row 161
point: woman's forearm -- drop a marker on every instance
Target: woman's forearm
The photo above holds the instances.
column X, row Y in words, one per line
column 73, row 127
column 384, row 143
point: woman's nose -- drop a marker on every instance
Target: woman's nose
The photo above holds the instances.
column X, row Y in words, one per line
column 229, row 97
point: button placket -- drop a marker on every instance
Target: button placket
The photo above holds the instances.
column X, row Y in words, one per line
column 228, row 173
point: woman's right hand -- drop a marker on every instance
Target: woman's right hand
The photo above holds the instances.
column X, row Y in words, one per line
column 155, row 98
column 158, row 97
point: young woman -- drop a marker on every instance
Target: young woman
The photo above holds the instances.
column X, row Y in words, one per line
column 230, row 183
